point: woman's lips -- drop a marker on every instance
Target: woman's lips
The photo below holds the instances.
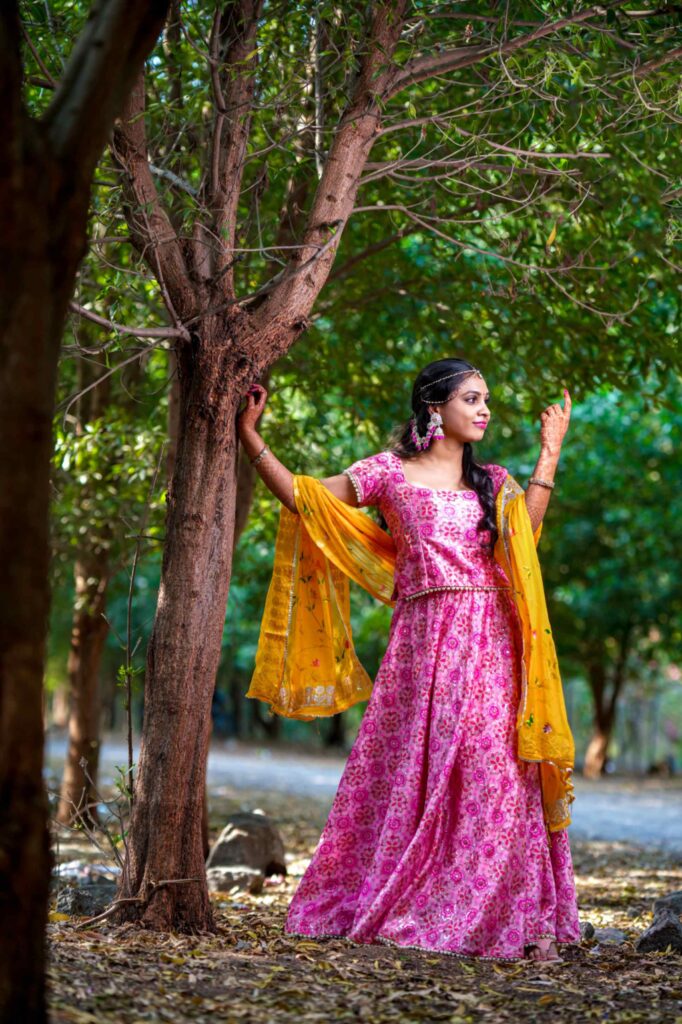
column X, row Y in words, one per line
column 481, row 423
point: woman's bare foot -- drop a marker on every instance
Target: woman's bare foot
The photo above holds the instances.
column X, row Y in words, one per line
column 544, row 949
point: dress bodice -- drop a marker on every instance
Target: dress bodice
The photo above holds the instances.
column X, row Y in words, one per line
column 437, row 543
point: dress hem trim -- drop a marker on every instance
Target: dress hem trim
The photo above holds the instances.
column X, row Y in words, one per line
column 382, row 940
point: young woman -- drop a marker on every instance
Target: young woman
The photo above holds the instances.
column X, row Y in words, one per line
column 437, row 838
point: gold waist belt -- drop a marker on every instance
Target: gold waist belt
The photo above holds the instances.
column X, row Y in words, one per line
column 453, row 586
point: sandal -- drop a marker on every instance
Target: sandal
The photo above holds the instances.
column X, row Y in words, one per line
column 544, row 952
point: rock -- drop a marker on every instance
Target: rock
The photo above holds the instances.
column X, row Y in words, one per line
column 237, row 876
column 85, row 872
column 86, row 900
column 586, row 930
column 610, row 936
column 249, row 840
column 665, row 931
column 673, row 902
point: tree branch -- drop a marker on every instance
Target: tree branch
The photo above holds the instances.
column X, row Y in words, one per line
column 234, row 58
column 652, row 65
column 294, row 293
column 50, row 83
column 138, row 332
column 429, row 65
column 151, row 231
column 105, row 60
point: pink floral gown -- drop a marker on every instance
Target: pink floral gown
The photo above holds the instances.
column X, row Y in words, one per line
column 436, row 838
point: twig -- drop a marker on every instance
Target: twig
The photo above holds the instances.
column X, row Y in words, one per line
column 129, row 620
column 138, row 332
column 133, row 899
column 50, row 83
column 67, row 403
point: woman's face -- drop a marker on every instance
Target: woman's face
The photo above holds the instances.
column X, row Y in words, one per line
column 466, row 414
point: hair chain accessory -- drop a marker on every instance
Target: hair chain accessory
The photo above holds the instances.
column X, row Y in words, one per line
column 470, row 372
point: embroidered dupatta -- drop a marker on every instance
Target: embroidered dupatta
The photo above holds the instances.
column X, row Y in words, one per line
column 306, row 666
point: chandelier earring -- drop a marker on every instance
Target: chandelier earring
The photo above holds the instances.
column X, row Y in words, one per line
column 434, row 429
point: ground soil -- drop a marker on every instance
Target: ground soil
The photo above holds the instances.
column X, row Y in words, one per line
column 250, row 971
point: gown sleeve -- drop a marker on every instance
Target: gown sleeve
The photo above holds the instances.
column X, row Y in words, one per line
column 368, row 477
column 498, row 473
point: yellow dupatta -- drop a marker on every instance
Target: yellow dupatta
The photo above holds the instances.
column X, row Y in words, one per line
column 306, row 666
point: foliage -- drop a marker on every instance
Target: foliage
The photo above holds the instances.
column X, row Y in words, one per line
column 523, row 207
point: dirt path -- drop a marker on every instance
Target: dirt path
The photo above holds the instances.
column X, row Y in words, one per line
column 642, row 811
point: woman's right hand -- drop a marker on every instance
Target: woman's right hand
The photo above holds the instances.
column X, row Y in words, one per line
column 256, row 398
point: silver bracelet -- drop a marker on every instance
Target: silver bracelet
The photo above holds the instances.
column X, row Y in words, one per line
column 260, row 455
column 542, row 483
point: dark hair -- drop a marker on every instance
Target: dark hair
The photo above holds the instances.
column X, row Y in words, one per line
column 401, row 444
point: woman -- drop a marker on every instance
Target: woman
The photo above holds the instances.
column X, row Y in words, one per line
column 436, row 839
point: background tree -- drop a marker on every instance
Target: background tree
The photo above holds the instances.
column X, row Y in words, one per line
column 108, row 482
column 617, row 599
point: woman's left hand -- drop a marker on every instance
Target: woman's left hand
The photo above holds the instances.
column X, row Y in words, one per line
column 554, row 424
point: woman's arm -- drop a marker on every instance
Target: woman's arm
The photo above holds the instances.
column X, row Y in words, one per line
column 537, row 496
column 553, row 426
column 274, row 473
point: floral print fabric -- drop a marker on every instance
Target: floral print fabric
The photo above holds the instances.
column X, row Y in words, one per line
column 436, row 838
column 435, row 533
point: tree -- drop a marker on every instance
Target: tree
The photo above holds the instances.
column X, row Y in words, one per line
column 107, row 484
column 617, row 601
column 44, row 194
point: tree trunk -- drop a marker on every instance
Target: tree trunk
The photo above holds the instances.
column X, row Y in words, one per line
column 605, row 703
column 269, row 722
column 32, row 306
column 88, row 636
column 336, row 734
column 596, row 753
column 597, row 748
column 45, row 182
column 59, row 708
column 165, row 838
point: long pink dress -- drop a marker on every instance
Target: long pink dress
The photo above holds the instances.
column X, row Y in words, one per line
column 436, row 838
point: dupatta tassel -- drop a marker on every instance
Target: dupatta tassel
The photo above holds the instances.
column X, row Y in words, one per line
column 306, row 666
